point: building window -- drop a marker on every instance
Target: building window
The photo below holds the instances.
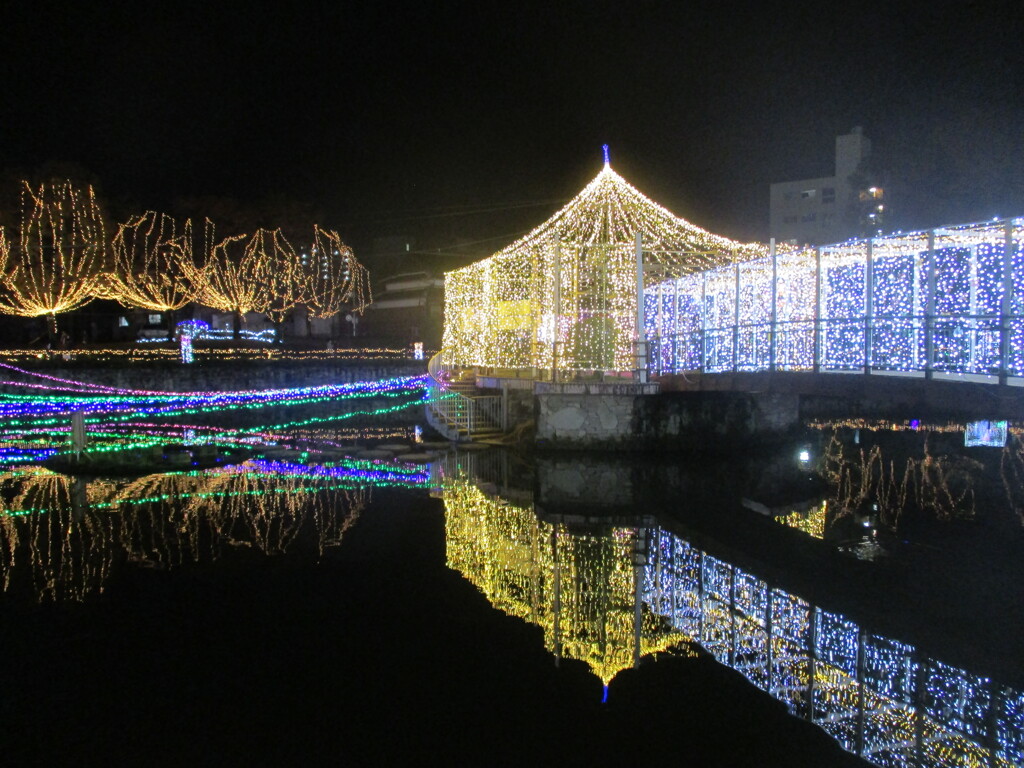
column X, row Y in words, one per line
column 828, row 195
column 807, row 193
column 809, row 217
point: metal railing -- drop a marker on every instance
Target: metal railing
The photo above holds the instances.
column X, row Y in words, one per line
column 456, row 415
column 942, row 303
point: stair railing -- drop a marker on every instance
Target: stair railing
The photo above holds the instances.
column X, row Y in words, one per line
column 452, row 413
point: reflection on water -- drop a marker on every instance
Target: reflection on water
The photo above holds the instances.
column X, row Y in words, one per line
column 607, row 595
column 864, row 475
column 579, row 587
column 605, row 590
column 878, row 479
column 68, row 532
column 878, row 697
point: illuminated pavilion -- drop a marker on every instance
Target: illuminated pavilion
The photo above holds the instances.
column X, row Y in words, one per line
column 564, row 297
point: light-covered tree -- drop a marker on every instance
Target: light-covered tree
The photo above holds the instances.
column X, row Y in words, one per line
column 284, row 275
column 59, row 254
column 335, row 280
column 151, row 258
column 233, row 276
column 5, row 251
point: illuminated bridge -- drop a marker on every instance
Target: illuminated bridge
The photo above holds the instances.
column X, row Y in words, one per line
column 945, row 303
column 614, row 284
column 614, row 299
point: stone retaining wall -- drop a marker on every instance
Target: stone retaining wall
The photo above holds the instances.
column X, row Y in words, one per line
column 698, row 422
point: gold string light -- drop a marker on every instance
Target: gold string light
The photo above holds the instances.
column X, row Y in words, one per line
column 264, row 273
column 60, row 262
column 334, row 278
column 5, row 251
column 59, row 253
column 232, row 279
column 150, row 262
column 283, row 272
column 565, row 295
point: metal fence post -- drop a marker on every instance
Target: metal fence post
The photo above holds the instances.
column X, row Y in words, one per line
column 1006, row 306
column 558, row 310
column 702, row 359
column 641, row 349
column 929, row 309
column 736, row 322
column 774, row 332
column 675, row 325
column 869, row 301
column 818, row 330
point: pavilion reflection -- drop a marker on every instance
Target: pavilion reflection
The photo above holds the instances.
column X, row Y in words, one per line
column 609, row 594
column 579, row 586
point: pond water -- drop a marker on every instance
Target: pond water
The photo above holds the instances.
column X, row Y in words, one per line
column 854, row 594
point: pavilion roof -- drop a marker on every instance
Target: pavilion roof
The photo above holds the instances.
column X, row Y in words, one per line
column 610, row 211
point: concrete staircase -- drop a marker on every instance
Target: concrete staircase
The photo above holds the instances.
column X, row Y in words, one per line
column 458, row 409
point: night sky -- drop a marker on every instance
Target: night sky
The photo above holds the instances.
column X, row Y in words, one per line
column 465, row 124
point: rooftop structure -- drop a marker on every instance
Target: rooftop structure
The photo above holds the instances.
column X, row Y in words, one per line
column 828, row 209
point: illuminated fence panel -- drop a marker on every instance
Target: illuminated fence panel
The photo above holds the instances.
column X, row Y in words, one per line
column 795, row 306
column 791, row 617
column 1009, row 726
column 660, row 321
column 843, row 307
column 888, row 733
column 836, row 641
column 897, row 340
column 688, row 331
column 717, row 579
column 1015, row 353
column 750, row 651
column 948, row 302
column 791, row 674
column 835, row 703
column 686, row 594
column 1015, row 322
column 719, row 301
column 753, row 336
column 750, row 597
column 717, row 629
